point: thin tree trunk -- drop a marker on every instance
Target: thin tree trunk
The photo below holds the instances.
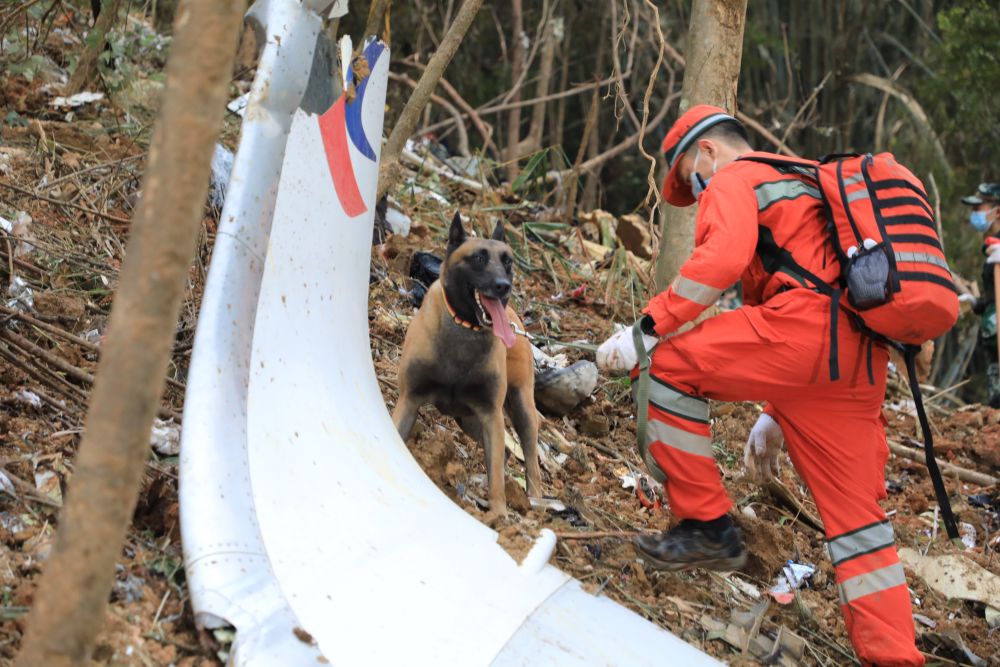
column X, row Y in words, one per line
column 376, row 15
column 94, row 45
column 552, row 36
column 714, row 53
column 407, row 122
column 516, row 69
column 69, row 605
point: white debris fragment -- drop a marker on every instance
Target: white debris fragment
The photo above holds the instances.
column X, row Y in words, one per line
column 222, row 167
column 47, row 483
column 749, row 589
column 29, row 398
column 165, row 438
column 21, row 230
column 968, row 533
column 6, row 486
column 239, row 105
column 21, row 295
column 398, row 222
column 629, row 481
column 792, row 577
column 77, row 100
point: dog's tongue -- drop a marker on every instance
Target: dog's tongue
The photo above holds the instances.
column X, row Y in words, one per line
column 501, row 325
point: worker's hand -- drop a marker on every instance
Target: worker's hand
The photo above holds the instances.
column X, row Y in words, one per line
column 965, row 297
column 618, row 354
column 763, row 446
column 993, row 253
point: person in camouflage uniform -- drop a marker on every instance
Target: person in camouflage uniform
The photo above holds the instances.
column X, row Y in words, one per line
column 985, row 218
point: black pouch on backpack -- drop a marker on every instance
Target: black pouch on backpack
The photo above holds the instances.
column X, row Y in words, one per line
column 868, row 273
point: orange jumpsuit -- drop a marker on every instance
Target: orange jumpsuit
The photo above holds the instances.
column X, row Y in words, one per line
column 777, row 349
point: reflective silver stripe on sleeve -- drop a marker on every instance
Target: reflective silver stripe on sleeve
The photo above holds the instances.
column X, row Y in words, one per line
column 691, row 290
column 856, row 178
column 875, row 581
column 692, row 134
column 922, row 258
column 670, row 436
column 791, row 188
column 858, row 194
column 860, row 542
column 677, row 403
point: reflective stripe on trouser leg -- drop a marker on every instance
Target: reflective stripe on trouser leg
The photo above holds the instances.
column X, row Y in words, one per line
column 873, row 595
column 686, row 433
column 681, row 449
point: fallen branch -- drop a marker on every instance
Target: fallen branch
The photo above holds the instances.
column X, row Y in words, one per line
column 782, row 493
column 421, row 163
column 59, row 202
column 597, row 534
column 45, row 326
column 964, row 474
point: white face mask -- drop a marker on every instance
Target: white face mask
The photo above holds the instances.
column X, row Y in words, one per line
column 699, row 183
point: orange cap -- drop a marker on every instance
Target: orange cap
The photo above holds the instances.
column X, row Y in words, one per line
column 692, row 124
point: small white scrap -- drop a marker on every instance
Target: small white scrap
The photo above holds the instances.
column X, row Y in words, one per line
column 29, row 398
column 47, row 483
column 222, row 167
column 968, row 533
column 22, row 298
column 398, row 222
column 165, row 438
column 792, row 577
column 77, row 100
column 629, row 481
column 239, row 105
column 749, row 589
column 6, row 486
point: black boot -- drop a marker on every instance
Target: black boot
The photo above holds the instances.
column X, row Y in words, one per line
column 713, row 545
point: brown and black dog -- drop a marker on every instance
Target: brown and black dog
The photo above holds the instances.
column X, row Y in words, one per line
column 462, row 355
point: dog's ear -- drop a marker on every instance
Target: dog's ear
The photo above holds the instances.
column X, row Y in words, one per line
column 498, row 234
column 456, row 234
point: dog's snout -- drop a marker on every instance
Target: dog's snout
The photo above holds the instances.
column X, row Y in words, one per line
column 502, row 287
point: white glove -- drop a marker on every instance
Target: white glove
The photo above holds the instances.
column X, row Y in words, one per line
column 993, row 253
column 760, row 457
column 618, row 354
column 965, row 297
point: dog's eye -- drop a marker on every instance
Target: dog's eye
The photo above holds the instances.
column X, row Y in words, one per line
column 479, row 259
column 506, row 261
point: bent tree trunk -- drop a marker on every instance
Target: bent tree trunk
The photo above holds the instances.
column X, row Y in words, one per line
column 70, row 603
column 714, row 53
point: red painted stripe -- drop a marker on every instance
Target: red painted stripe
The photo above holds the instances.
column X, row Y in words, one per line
column 333, row 129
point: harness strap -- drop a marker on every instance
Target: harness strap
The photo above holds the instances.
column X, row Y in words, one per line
column 642, row 397
column 871, row 372
column 834, row 339
column 910, row 355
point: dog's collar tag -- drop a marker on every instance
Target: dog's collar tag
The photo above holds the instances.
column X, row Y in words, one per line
column 454, row 315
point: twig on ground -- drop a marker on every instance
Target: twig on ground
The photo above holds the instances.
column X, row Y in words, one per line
column 58, row 202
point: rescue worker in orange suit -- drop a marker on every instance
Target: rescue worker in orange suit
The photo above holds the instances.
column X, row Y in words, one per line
column 775, row 349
